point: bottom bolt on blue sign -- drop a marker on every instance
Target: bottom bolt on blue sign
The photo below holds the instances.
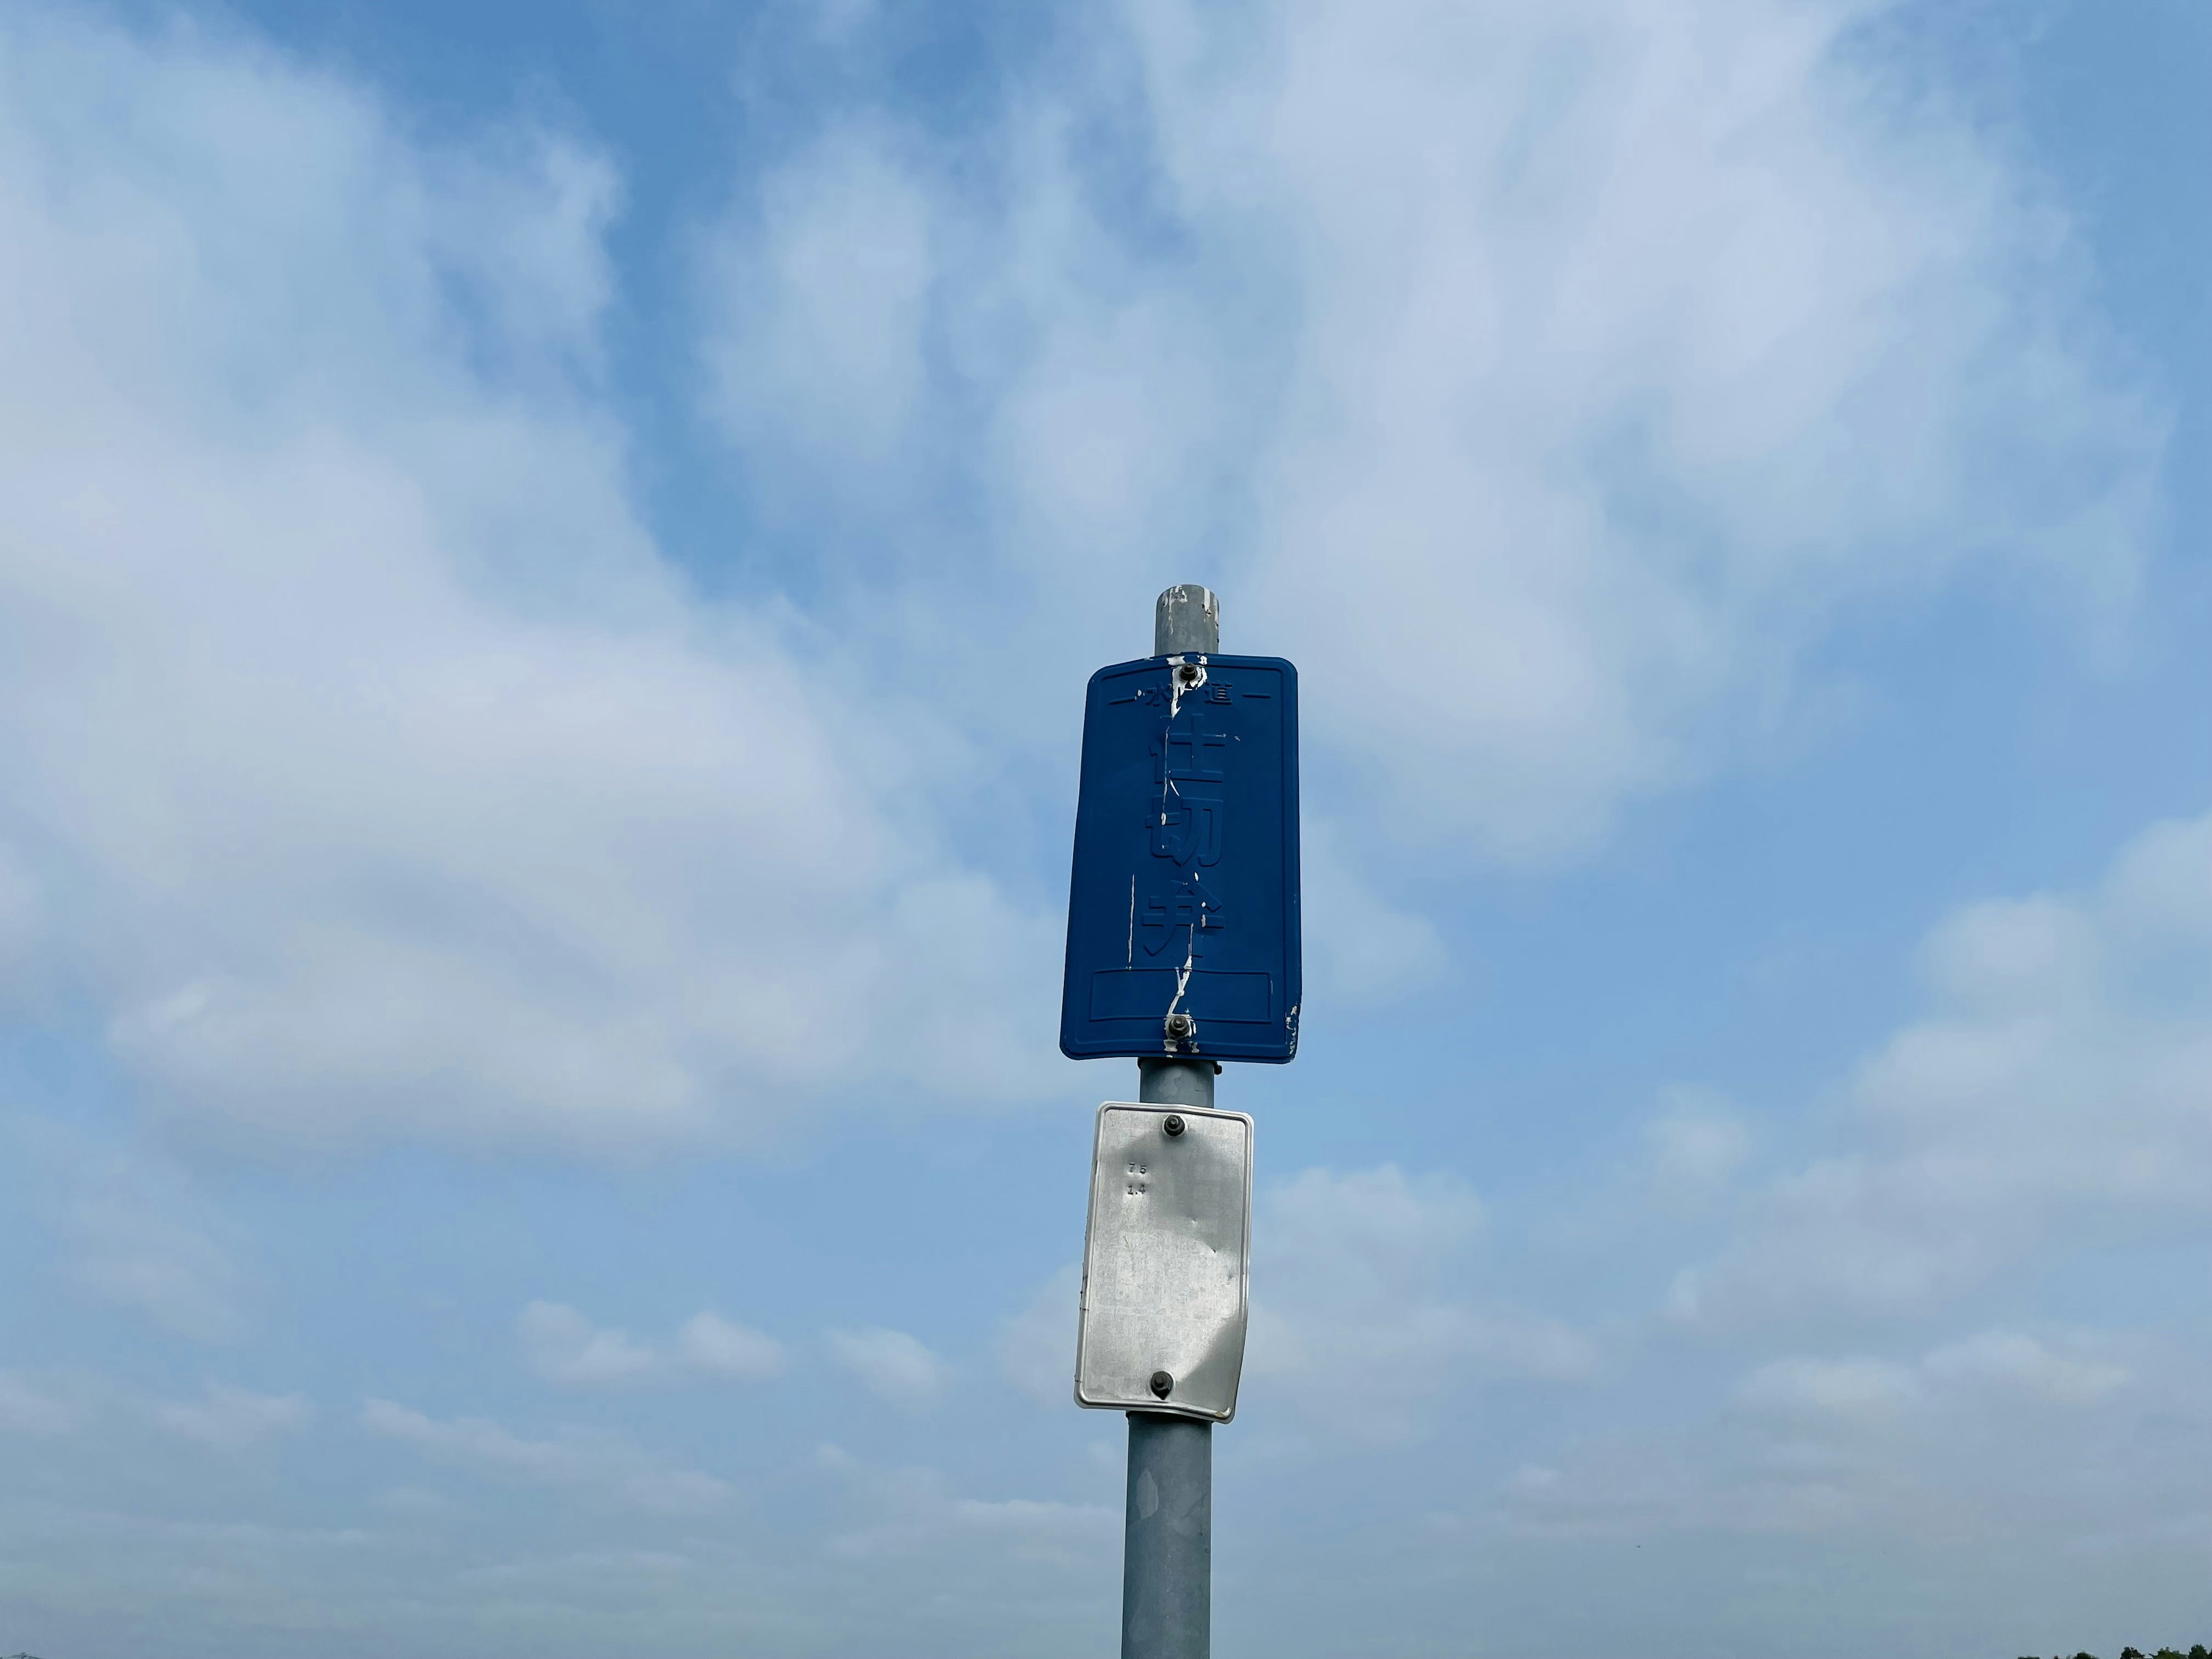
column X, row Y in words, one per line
column 1183, row 912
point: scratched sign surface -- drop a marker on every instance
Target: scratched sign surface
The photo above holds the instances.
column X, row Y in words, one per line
column 1185, row 894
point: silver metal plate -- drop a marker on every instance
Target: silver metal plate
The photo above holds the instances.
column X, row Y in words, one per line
column 1166, row 1260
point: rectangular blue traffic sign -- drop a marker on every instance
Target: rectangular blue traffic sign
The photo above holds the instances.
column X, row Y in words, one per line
column 1182, row 912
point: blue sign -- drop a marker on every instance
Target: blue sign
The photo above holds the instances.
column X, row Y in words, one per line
column 1182, row 915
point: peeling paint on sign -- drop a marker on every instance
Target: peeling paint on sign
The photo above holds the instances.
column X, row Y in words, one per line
column 1186, row 848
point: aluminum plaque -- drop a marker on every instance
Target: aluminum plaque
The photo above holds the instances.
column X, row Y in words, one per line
column 1165, row 1262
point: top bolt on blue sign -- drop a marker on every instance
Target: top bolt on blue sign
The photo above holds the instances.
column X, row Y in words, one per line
column 1182, row 915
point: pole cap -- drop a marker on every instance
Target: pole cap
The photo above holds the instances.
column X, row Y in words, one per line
column 1187, row 621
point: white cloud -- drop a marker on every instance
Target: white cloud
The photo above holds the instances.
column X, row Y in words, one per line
column 1363, row 1274
column 1036, row 1346
column 234, row 1419
column 909, row 1511
column 2055, row 1089
column 21, row 923
column 1363, row 951
column 388, row 782
column 898, row 1368
column 1548, row 381
column 1971, row 1439
column 820, row 307
column 2020, row 1361
column 2062, row 1071
column 30, row 1407
column 225, row 1418
column 602, row 1463
column 720, row 1347
column 1612, row 380
column 137, row 1233
column 561, row 1345
column 159, row 1265
column 1696, row 1146
column 1366, row 1224
column 1843, row 1387
column 397, row 787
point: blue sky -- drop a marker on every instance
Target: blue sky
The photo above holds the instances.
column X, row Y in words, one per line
column 548, row 562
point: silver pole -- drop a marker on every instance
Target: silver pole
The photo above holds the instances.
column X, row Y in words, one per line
column 1186, row 621
column 1167, row 1538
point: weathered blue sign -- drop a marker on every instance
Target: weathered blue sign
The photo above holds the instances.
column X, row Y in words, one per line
column 1182, row 913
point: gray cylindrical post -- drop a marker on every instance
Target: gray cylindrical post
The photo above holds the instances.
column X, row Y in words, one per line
column 1167, row 1539
column 1186, row 621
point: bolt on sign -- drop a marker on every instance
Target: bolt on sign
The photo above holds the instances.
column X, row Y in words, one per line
column 1182, row 916
column 1165, row 1262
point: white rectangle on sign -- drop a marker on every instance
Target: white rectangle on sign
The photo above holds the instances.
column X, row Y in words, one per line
column 1165, row 1265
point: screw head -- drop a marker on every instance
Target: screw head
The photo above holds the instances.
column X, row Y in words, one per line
column 1187, row 673
column 1174, row 1125
column 1163, row 1384
column 1179, row 1026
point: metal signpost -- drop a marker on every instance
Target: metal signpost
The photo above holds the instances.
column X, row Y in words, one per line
column 1182, row 950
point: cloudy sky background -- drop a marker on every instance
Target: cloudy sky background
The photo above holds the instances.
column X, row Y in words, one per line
column 547, row 560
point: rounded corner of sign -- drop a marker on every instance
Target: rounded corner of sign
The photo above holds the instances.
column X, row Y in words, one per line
column 1097, row 1403
column 1269, row 1057
column 1197, row 1414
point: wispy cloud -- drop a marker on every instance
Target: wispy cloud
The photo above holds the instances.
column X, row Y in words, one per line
column 603, row 1463
column 1036, row 1347
column 2061, row 1071
column 234, row 1419
column 138, row 1230
column 896, row 1367
column 461, row 815
column 1572, row 410
column 913, row 1511
column 224, row 1418
column 32, row 1406
column 1372, row 1274
column 561, row 1345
